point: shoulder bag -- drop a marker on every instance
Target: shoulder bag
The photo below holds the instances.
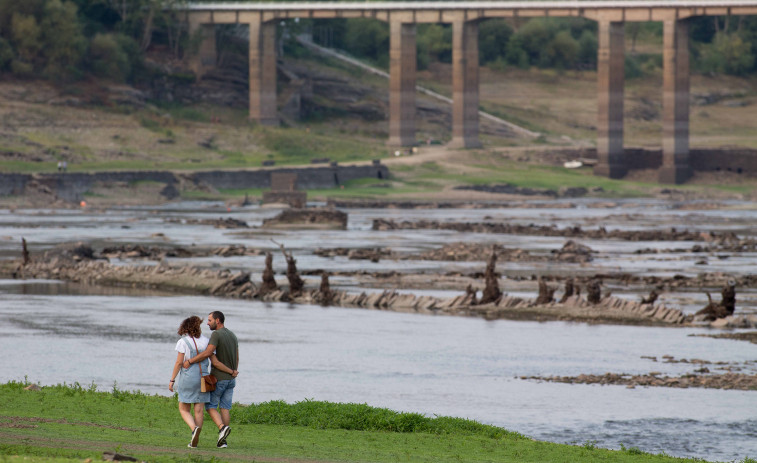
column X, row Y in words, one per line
column 207, row 382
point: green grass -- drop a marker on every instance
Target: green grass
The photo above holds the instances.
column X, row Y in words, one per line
column 300, row 146
column 71, row 423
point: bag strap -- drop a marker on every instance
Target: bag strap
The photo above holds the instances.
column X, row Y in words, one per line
column 199, row 364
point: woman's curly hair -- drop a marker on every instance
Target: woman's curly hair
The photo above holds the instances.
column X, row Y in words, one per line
column 191, row 326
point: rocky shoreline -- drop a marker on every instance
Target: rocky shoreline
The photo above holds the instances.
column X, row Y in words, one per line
column 736, row 381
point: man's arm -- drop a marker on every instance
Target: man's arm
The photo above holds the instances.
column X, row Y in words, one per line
column 218, row 365
column 201, row 356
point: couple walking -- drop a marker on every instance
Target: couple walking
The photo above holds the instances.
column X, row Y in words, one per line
column 195, row 353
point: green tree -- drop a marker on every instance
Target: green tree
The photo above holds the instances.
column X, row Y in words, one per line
column 368, row 38
column 728, row 54
column 533, row 38
column 26, row 37
column 6, row 55
column 434, row 43
column 587, row 49
column 107, row 59
column 64, row 43
column 563, row 50
column 9, row 8
column 494, row 36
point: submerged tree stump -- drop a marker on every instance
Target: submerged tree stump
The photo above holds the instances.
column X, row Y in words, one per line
column 295, row 282
column 546, row 293
column 325, row 295
column 653, row 295
column 569, row 290
column 593, row 292
column 727, row 306
column 269, row 281
column 491, row 290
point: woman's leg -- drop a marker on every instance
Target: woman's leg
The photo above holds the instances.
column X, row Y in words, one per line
column 186, row 413
column 199, row 414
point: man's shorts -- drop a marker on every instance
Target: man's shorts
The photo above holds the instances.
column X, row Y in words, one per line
column 222, row 395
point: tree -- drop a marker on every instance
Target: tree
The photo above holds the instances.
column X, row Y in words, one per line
column 368, row 38
column 587, row 49
column 434, row 44
column 107, row 59
column 563, row 50
column 494, row 36
column 728, row 53
column 6, row 55
column 64, row 42
column 26, row 37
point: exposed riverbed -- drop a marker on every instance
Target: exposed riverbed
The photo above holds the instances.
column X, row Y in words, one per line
column 437, row 365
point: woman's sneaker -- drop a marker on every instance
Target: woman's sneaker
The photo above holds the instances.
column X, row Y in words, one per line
column 195, row 437
column 222, row 435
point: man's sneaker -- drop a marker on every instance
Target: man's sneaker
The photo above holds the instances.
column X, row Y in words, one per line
column 195, row 437
column 223, row 445
column 222, row 435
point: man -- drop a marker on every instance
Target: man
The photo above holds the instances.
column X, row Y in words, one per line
column 226, row 347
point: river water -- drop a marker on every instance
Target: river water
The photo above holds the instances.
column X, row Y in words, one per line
column 452, row 366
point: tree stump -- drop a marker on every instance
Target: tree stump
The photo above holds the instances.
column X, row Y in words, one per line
column 593, row 292
column 569, row 290
column 491, row 290
column 269, row 281
column 546, row 293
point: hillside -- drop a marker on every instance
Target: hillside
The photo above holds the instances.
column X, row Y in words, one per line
column 179, row 125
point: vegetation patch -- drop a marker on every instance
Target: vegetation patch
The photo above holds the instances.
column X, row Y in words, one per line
column 67, row 423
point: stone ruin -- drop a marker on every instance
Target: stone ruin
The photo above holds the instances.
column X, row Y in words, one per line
column 284, row 191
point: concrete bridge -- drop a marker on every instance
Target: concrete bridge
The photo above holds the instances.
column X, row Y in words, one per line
column 465, row 16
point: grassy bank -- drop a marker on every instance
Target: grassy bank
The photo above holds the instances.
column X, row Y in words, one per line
column 71, row 423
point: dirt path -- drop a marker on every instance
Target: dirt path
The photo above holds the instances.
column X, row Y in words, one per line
column 30, row 439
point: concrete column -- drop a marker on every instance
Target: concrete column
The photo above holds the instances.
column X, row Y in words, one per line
column 205, row 58
column 610, row 82
column 465, row 84
column 263, row 72
column 675, row 102
column 402, row 66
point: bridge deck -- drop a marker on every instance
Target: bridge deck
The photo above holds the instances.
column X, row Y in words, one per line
column 439, row 11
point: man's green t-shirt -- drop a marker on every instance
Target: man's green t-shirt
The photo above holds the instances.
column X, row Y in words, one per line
column 226, row 351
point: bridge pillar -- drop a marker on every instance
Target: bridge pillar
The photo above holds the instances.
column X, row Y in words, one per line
column 263, row 72
column 610, row 82
column 465, row 84
column 205, row 58
column 675, row 102
column 402, row 67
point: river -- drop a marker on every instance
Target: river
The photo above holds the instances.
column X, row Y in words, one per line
column 450, row 366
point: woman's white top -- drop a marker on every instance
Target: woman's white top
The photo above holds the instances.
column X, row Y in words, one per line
column 202, row 344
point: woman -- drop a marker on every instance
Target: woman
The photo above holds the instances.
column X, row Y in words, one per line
column 187, row 381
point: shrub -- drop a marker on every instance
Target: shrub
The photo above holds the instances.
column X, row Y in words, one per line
column 728, row 54
column 563, row 50
column 6, row 55
column 494, row 36
column 63, row 42
column 587, row 49
column 108, row 59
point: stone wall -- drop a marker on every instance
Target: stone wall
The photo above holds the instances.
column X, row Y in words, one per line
column 71, row 186
column 738, row 160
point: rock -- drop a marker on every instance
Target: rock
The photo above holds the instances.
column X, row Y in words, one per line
column 32, row 387
column 318, row 218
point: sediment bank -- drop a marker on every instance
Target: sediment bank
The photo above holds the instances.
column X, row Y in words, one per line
column 86, row 268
